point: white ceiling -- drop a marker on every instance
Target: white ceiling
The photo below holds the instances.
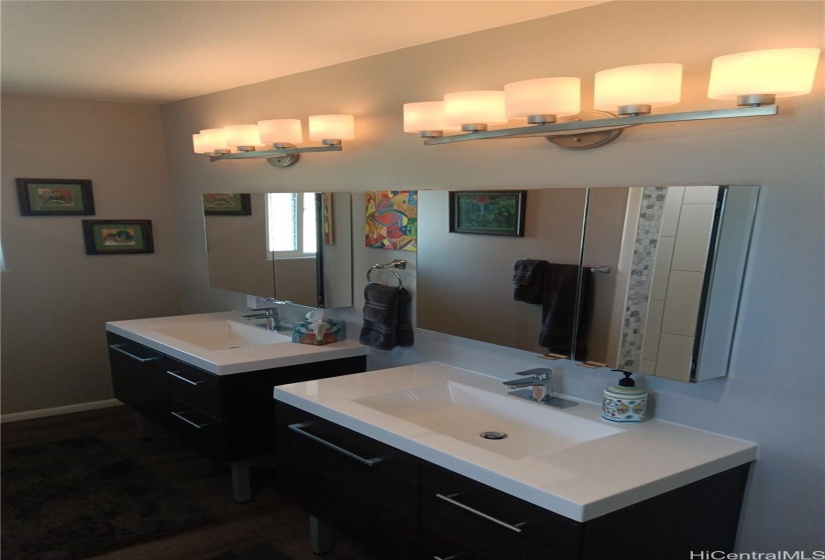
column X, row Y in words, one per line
column 162, row 51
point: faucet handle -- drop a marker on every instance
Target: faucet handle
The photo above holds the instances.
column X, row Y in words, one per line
column 269, row 311
column 538, row 373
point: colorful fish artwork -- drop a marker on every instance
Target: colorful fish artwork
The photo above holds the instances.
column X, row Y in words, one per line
column 392, row 220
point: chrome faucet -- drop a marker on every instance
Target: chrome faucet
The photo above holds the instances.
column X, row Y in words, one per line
column 272, row 322
column 539, row 381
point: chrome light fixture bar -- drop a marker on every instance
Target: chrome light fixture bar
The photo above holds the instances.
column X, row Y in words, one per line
column 584, row 133
column 278, row 157
column 623, row 97
column 274, row 140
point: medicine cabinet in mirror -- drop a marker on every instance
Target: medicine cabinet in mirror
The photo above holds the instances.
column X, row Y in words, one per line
column 294, row 247
column 642, row 279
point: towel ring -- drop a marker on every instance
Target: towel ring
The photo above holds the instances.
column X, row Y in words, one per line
column 391, row 266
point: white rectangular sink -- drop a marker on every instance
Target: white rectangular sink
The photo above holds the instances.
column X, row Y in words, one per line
column 464, row 413
column 221, row 335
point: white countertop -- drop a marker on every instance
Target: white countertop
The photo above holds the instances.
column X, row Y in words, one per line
column 230, row 360
column 580, row 482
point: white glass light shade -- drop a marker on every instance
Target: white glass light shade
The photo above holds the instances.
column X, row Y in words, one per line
column 199, row 144
column 780, row 72
column 242, row 135
column 468, row 107
column 281, row 131
column 657, row 85
column 332, row 127
column 425, row 116
column 213, row 139
column 543, row 96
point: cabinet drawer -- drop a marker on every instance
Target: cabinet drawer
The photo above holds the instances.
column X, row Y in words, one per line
column 468, row 520
column 358, row 485
column 138, row 378
column 195, row 387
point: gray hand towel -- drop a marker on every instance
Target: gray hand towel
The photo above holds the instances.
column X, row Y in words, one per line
column 558, row 309
column 528, row 280
column 378, row 299
column 395, row 327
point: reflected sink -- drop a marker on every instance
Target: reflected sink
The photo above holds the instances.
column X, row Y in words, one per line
column 463, row 412
column 222, row 335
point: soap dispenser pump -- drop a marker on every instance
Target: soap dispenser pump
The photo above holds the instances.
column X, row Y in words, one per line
column 624, row 402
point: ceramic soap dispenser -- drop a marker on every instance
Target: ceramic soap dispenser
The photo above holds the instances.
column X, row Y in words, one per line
column 624, row 402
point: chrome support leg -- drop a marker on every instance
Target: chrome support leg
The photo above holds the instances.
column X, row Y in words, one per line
column 241, row 486
column 320, row 535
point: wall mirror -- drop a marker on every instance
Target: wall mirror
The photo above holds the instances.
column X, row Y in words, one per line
column 295, row 247
column 465, row 280
column 660, row 271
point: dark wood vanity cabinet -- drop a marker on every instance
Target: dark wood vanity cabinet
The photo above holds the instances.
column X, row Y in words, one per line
column 228, row 417
column 356, row 484
column 400, row 506
column 461, row 518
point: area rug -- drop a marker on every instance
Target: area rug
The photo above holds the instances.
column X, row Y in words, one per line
column 78, row 498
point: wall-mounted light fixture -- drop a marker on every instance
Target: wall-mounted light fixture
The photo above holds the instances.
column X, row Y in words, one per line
column 275, row 139
column 623, row 97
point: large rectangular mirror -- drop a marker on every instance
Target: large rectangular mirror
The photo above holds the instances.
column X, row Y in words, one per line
column 465, row 280
column 657, row 289
column 294, row 247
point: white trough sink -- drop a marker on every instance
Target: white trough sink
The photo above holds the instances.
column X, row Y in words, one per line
column 463, row 412
column 221, row 335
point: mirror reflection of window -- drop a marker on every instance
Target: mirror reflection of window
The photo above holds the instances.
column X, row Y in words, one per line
column 292, row 230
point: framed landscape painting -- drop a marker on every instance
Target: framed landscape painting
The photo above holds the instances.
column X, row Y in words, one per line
column 55, row 197
column 227, row 204
column 488, row 212
column 113, row 237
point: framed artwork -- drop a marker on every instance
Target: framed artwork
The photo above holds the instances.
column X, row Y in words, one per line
column 227, row 204
column 117, row 237
column 55, row 197
column 392, row 220
column 488, row 212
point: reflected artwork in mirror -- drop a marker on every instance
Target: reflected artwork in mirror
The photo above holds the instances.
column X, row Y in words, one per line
column 294, row 247
column 657, row 275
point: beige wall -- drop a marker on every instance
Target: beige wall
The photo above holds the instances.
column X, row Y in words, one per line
column 55, row 298
column 774, row 391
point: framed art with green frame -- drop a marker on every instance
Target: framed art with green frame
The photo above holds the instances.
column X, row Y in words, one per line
column 488, row 212
column 117, row 237
column 227, row 204
column 55, row 197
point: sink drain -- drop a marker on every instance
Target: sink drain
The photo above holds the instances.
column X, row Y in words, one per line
column 493, row 435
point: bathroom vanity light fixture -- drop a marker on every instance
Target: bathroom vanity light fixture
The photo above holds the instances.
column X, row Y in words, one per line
column 275, row 139
column 623, row 97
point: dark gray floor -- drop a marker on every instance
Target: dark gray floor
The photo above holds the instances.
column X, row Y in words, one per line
column 267, row 518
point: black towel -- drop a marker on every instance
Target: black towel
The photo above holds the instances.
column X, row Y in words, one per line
column 387, row 320
column 558, row 309
column 528, row 280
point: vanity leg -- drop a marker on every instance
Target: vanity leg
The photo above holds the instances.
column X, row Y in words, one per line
column 144, row 426
column 241, row 488
column 320, row 535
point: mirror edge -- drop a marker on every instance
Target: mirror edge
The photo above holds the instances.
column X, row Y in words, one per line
column 718, row 328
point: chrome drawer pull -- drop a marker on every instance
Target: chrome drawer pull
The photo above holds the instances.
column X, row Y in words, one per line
column 449, row 499
column 182, row 378
column 452, row 557
column 299, row 429
column 119, row 348
column 188, row 421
